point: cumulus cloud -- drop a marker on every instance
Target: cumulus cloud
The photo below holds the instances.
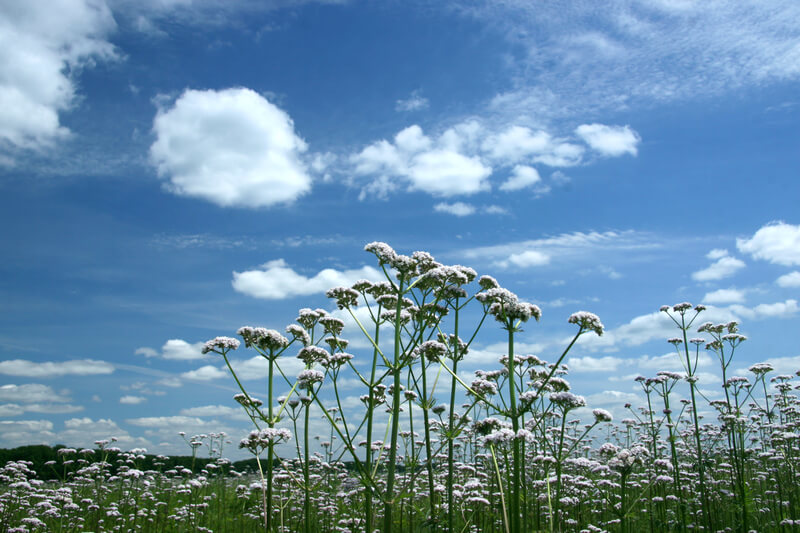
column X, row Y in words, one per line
column 724, row 296
column 132, row 400
column 175, row 349
column 777, row 243
column 518, row 144
column 528, row 258
column 725, row 266
column 32, row 393
column 459, row 209
column 790, row 280
column 522, row 176
column 166, row 421
column 275, row 280
column 609, row 140
column 205, row 373
column 442, row 167
column 50, row 369
column 773, row 310
column 230, row 147
column 42, row 45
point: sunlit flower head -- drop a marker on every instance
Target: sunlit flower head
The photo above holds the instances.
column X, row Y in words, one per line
column 220, row 345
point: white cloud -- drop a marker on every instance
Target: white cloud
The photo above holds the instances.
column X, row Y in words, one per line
column 459, row 209
column 528, row 258
column 32, row 393
column 167, row 421
column 592, row 246
column 181, row 350
column 781, row 365
column 175, row 349
column 519, row 143
column 132, row 400
column 50, row 369
column 790, row 280
column 724, row 267
column 212, row 410
column 773, row 310
column 716, row 253
column 275, row 280
column 521, row 176
column 442, row 167
column 584, row 60
column 77, row 432
column 609, row 140
column 230, row 147
column 594, row 364
column 448, row 173
column 42, row 45
column 414, row 102
column 724, row 296
column 777, row 243
column 205, row 373
column 145, row 351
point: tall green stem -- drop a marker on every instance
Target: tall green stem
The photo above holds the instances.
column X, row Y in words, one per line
column 396, row 367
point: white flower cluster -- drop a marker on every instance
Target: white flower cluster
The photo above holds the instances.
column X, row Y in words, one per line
column 258, row 440
column 567, row 401
column 267, row 339
column 220, row 345
column 587, row 321
column 307, row 378
column 505, row 306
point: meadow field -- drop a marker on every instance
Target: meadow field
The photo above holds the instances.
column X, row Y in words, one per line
column 512, row 449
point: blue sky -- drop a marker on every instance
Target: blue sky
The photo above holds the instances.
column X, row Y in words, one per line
column 171, row 170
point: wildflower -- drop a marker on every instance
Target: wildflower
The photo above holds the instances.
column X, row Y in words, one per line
column 267, row 339
column 312, row 354
column 484, row 387
column 488, row 282
column 681, row 307
column 220, row 343
column 308, row 317
column 587, row 321
column 430, row 350
column 332, row 325
column 601, row 415
column 345, row 297
column 761, row 368
column 258, row 440
column 298, row 333
column 675, row 341
column 307, row 378
column 499, row 436
column 567, row 400
column 336, row 360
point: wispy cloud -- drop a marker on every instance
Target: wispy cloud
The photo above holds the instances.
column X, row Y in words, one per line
column 583, row 58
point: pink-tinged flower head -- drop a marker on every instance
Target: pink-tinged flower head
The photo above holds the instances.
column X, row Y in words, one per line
column 220, row 345
column 587, row 321
column 345, row 297
column 382, row 251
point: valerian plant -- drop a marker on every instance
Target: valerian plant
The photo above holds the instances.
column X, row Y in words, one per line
column 420, row 322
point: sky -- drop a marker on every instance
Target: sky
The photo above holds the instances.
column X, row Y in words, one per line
column 171, row 170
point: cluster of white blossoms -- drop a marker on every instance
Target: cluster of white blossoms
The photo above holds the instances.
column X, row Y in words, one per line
column 266, row 339
column 567, row 401
column 258, row 440
column 505, row 306
column 587, row 321
column 220, row 345
column 307, row 378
